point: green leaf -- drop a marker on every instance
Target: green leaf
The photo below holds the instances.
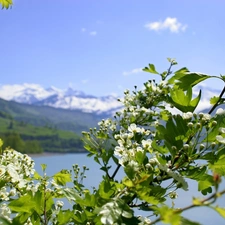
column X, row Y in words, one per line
column 150, row 194
column 196, row 173
column 220, row 119
column 127, row 182
column 185, row 221
column 184, row 80
column 158, row 148
column 197, row 201
column 219, row 166
column 63, row 217
column 89, row 199
column 23, row 204
column 150, row 69
column 140, row 156
column 37, row 176
column 183, row 101
column 43, row 167
column 113, row 211
column 205, row 186
column 171, row 60
column 106, row 189
column 182, row 70
column 221, row 211
column 62, row 177
column 214, row 100
column 5, row 221
column 169, row 215
column 6, row 3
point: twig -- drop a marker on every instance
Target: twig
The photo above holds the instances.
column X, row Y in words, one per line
column 216, row 104
column 201, row 203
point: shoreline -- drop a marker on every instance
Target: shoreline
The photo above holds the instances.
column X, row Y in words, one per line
column 48, row 154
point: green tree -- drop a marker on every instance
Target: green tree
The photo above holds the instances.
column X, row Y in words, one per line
column 14, row 141
column 33, row 146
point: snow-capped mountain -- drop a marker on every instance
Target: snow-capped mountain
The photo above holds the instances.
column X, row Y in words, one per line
column 54, row 97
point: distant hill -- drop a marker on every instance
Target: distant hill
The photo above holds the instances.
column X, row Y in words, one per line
column 33, row 129
column 27, row 138
column 64, row 119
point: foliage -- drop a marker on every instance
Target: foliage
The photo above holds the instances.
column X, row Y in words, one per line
column 156, row 150
column 6, row 3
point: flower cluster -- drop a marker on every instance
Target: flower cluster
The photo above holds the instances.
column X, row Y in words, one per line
column 15, row 171
column 128, row 146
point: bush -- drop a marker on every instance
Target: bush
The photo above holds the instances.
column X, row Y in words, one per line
column 157, row 150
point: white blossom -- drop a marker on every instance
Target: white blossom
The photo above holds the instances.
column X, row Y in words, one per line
column 187, row 115
column 220, row 111
column 220, row 139
column 222, row 130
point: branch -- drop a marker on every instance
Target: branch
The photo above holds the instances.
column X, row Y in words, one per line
column 216, row 104
column 204, row 202
column 115, row 172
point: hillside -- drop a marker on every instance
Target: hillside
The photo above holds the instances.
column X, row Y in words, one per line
column 27, row 138
column 63, row 119
column 34, row 129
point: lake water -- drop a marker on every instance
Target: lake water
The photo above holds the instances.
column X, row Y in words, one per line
column 55, row 163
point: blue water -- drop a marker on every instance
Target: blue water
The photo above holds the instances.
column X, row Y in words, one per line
column 55, row 163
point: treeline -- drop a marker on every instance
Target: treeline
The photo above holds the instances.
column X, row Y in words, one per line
column 27, row 138
column 43, row 143
column 13, row 140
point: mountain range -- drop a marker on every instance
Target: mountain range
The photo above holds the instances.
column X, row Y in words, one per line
column 70, row 98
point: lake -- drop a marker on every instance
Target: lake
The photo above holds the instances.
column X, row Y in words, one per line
column 65, row 161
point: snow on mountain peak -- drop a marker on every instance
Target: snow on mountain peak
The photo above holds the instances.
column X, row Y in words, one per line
column 54, row 97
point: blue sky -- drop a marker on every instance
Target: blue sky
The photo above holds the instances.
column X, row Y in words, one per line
column 99, row 46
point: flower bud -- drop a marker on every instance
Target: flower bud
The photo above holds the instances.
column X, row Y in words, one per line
column 202, row 146
column 190, row 124
column 214, row 123
column 213, row 144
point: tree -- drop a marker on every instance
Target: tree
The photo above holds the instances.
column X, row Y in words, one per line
column 157, row 151
column 6, row 3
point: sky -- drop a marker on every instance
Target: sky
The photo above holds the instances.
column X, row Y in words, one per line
column 100, row 46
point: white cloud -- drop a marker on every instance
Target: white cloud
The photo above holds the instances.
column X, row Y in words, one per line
column 93, row 33
column 169, row 23
column 83, row 29
column 137, row 70
column 207, row 93
column 84, row 81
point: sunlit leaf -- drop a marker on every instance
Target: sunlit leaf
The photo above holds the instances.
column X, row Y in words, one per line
column 43, row 167
column 63, row 217
column 184, row 80
column 197, row 201
column 106, row 189
column 221, row 211
column 61, row 178
column 185, row 221
column 23, row 204
column 6, row 3
column 214, row 100
column 205, row 185
column 150, row 69
column 219, row 166
column 183, row 101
